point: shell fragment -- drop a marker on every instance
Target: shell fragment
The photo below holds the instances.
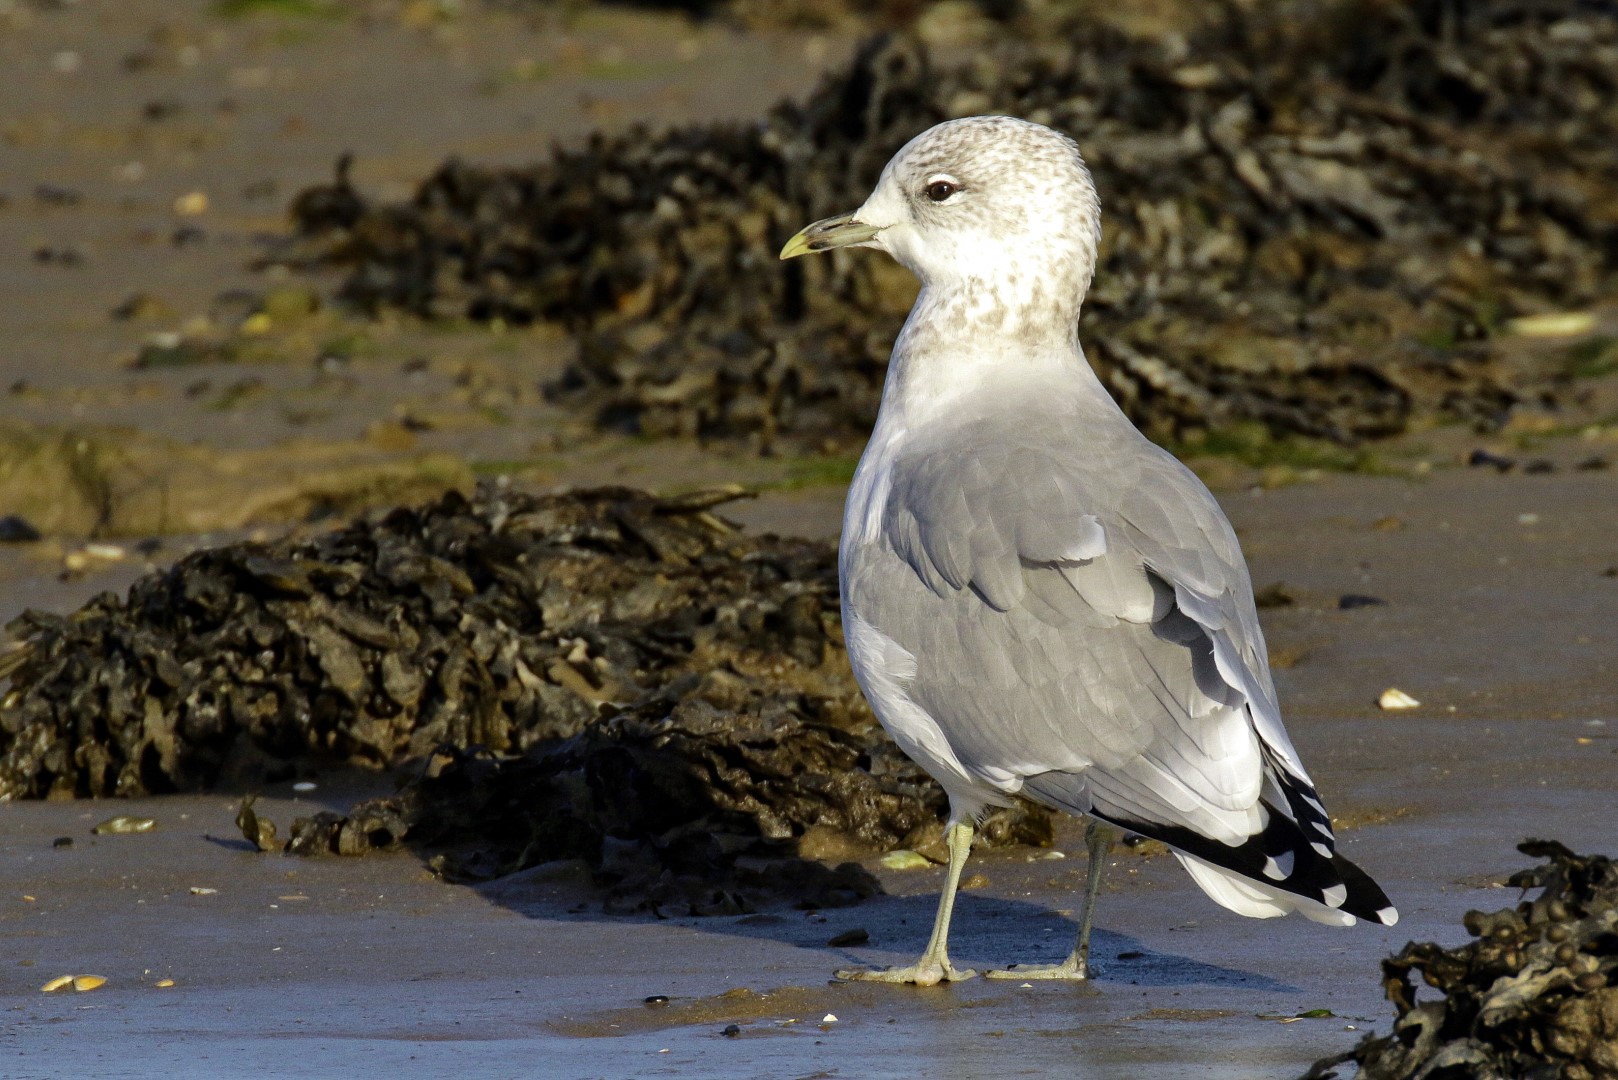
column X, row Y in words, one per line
column 1394, row 699
column 123, row 825
column 1553, row 324
column 904, row 860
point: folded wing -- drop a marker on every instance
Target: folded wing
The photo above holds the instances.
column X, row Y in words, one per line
column 1088, row 636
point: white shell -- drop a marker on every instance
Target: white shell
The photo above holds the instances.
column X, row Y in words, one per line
column 1394, row 698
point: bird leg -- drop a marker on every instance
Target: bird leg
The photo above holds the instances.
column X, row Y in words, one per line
column 934, row 966
column 1097, row 841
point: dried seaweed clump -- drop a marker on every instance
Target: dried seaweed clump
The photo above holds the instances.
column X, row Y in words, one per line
column 590, row 675
column 1313, row 223
column 1534, row 996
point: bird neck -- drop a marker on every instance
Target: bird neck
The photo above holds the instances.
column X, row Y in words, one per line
column 1019, row 310
column 958, row 344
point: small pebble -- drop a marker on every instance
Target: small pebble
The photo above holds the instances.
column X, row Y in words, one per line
column 1482, row 458
column 1350, row 601
column 191, row 204
column 62, row 842
column 731, row 1031
column 15, row 529
column 198, row 890
column 84, row 983
column 53, row 195
column 655, row 999
column 850, row 937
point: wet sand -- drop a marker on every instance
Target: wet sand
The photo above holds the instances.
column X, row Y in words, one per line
column 1498, row 619
column 1497, row 626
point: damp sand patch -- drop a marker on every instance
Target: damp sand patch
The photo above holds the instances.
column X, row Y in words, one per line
column 117, row 482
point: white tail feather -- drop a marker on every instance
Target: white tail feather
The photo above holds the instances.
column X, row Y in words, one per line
column 1247, row 897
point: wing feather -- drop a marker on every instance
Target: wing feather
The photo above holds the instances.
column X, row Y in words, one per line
column 1084, row 631
column 1109, row 593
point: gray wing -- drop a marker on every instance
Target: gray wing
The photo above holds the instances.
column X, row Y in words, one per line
column 1087, row 627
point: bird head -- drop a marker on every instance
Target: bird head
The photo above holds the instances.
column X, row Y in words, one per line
column 985, row 202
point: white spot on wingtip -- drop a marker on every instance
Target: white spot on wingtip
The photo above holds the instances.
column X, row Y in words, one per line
column 1278, row 869
column 1320, row 849
column 1387, row 916
column 1334, row 896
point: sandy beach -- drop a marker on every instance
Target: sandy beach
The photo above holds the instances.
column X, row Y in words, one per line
column 148, row 151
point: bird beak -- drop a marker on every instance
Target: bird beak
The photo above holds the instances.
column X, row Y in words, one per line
column 833, row 232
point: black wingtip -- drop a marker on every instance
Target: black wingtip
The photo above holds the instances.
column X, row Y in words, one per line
column 1311, row 871
column 1366, row 900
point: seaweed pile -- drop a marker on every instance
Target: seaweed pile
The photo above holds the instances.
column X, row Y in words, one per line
column 1318, row 223
column 602, row 675
column 811, row 13
column 1534, row 996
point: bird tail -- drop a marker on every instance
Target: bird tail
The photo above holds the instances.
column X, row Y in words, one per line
column 1289, row 864
column 1274, row 872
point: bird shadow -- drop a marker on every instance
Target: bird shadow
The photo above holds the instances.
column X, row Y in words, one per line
column 880, row 929
column 986, row 931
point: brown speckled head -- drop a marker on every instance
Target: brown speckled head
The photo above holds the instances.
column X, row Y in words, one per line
column 999, row 206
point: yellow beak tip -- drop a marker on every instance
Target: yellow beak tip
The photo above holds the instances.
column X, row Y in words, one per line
column 798, row 245
column 828, row 235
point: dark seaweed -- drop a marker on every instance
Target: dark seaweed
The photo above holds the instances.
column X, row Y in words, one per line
column 602, row 675
column 1534, row 996
column 1318, row 221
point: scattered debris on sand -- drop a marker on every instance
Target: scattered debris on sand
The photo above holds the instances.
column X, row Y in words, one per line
column 1324, row 225
column 1535, row 995
column 603, row 675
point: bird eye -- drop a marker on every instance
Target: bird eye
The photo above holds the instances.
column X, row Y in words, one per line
column 939, row 190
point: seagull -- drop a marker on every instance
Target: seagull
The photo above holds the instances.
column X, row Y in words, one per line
column 1038, row 600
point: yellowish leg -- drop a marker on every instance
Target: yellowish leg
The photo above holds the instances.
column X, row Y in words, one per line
column 934, row 966
column 1097, row 841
